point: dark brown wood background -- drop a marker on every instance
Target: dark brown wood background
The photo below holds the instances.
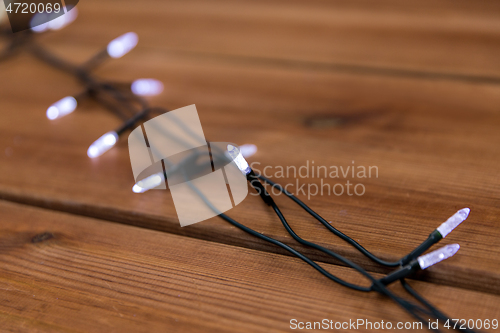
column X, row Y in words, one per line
column 410, row 87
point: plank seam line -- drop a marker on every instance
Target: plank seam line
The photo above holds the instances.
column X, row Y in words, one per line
column 57, row 206
column 342, row 68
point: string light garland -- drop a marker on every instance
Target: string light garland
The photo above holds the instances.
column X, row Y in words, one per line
column 416, row 262
column 127, row 103
column 122, row 102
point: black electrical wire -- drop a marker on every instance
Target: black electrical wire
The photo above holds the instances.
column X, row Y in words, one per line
column 295, row 253
column 376, row 285
column 437, row 314
column 275, row 242
column 84, row 76
column 433, row 238
column 329, row 226
column 82, row 73
column 8, row 51
column 121, row 101
column 15, row 42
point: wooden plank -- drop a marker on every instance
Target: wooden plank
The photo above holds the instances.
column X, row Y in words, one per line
column 62, row 272
column 447, row 37
column 434, row 142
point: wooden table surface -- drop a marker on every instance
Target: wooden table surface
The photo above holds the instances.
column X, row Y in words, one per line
column 410, row 87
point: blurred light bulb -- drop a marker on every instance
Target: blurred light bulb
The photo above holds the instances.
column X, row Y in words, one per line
column 102, row 145
column 148, row 183
column 122, row 45
column 248, row 150
column 39, row 22
column 235, row 155
column 62, row 107
column 147, row 87
column 63, row 20
column 137, row 189
column 434, row 257
column 450, row 224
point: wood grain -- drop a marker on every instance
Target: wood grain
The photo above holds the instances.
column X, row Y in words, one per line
column 456, row 38
column 434, row 142
column 61, row 272
column 412, row 88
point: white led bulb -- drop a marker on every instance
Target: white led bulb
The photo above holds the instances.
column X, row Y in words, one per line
column 148, row 183
column 235, row 155
column 3, row 13
column 434, row 257
column 147, row 87
column 122, row 45
column 103, row 144
column 41, row 22
column 62, row 107
column 450, row 224
column 248, row 150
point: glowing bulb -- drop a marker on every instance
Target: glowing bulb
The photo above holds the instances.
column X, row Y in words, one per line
column 122, row 45
column 148, row 183
column 137, row 189
column 39, row 22
column 102, row 145
column 63, row 20
column 450, row 224
column 248, row 150
column 61, row 108
column 147, row 87
column 235, row 155
column 434, row 257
